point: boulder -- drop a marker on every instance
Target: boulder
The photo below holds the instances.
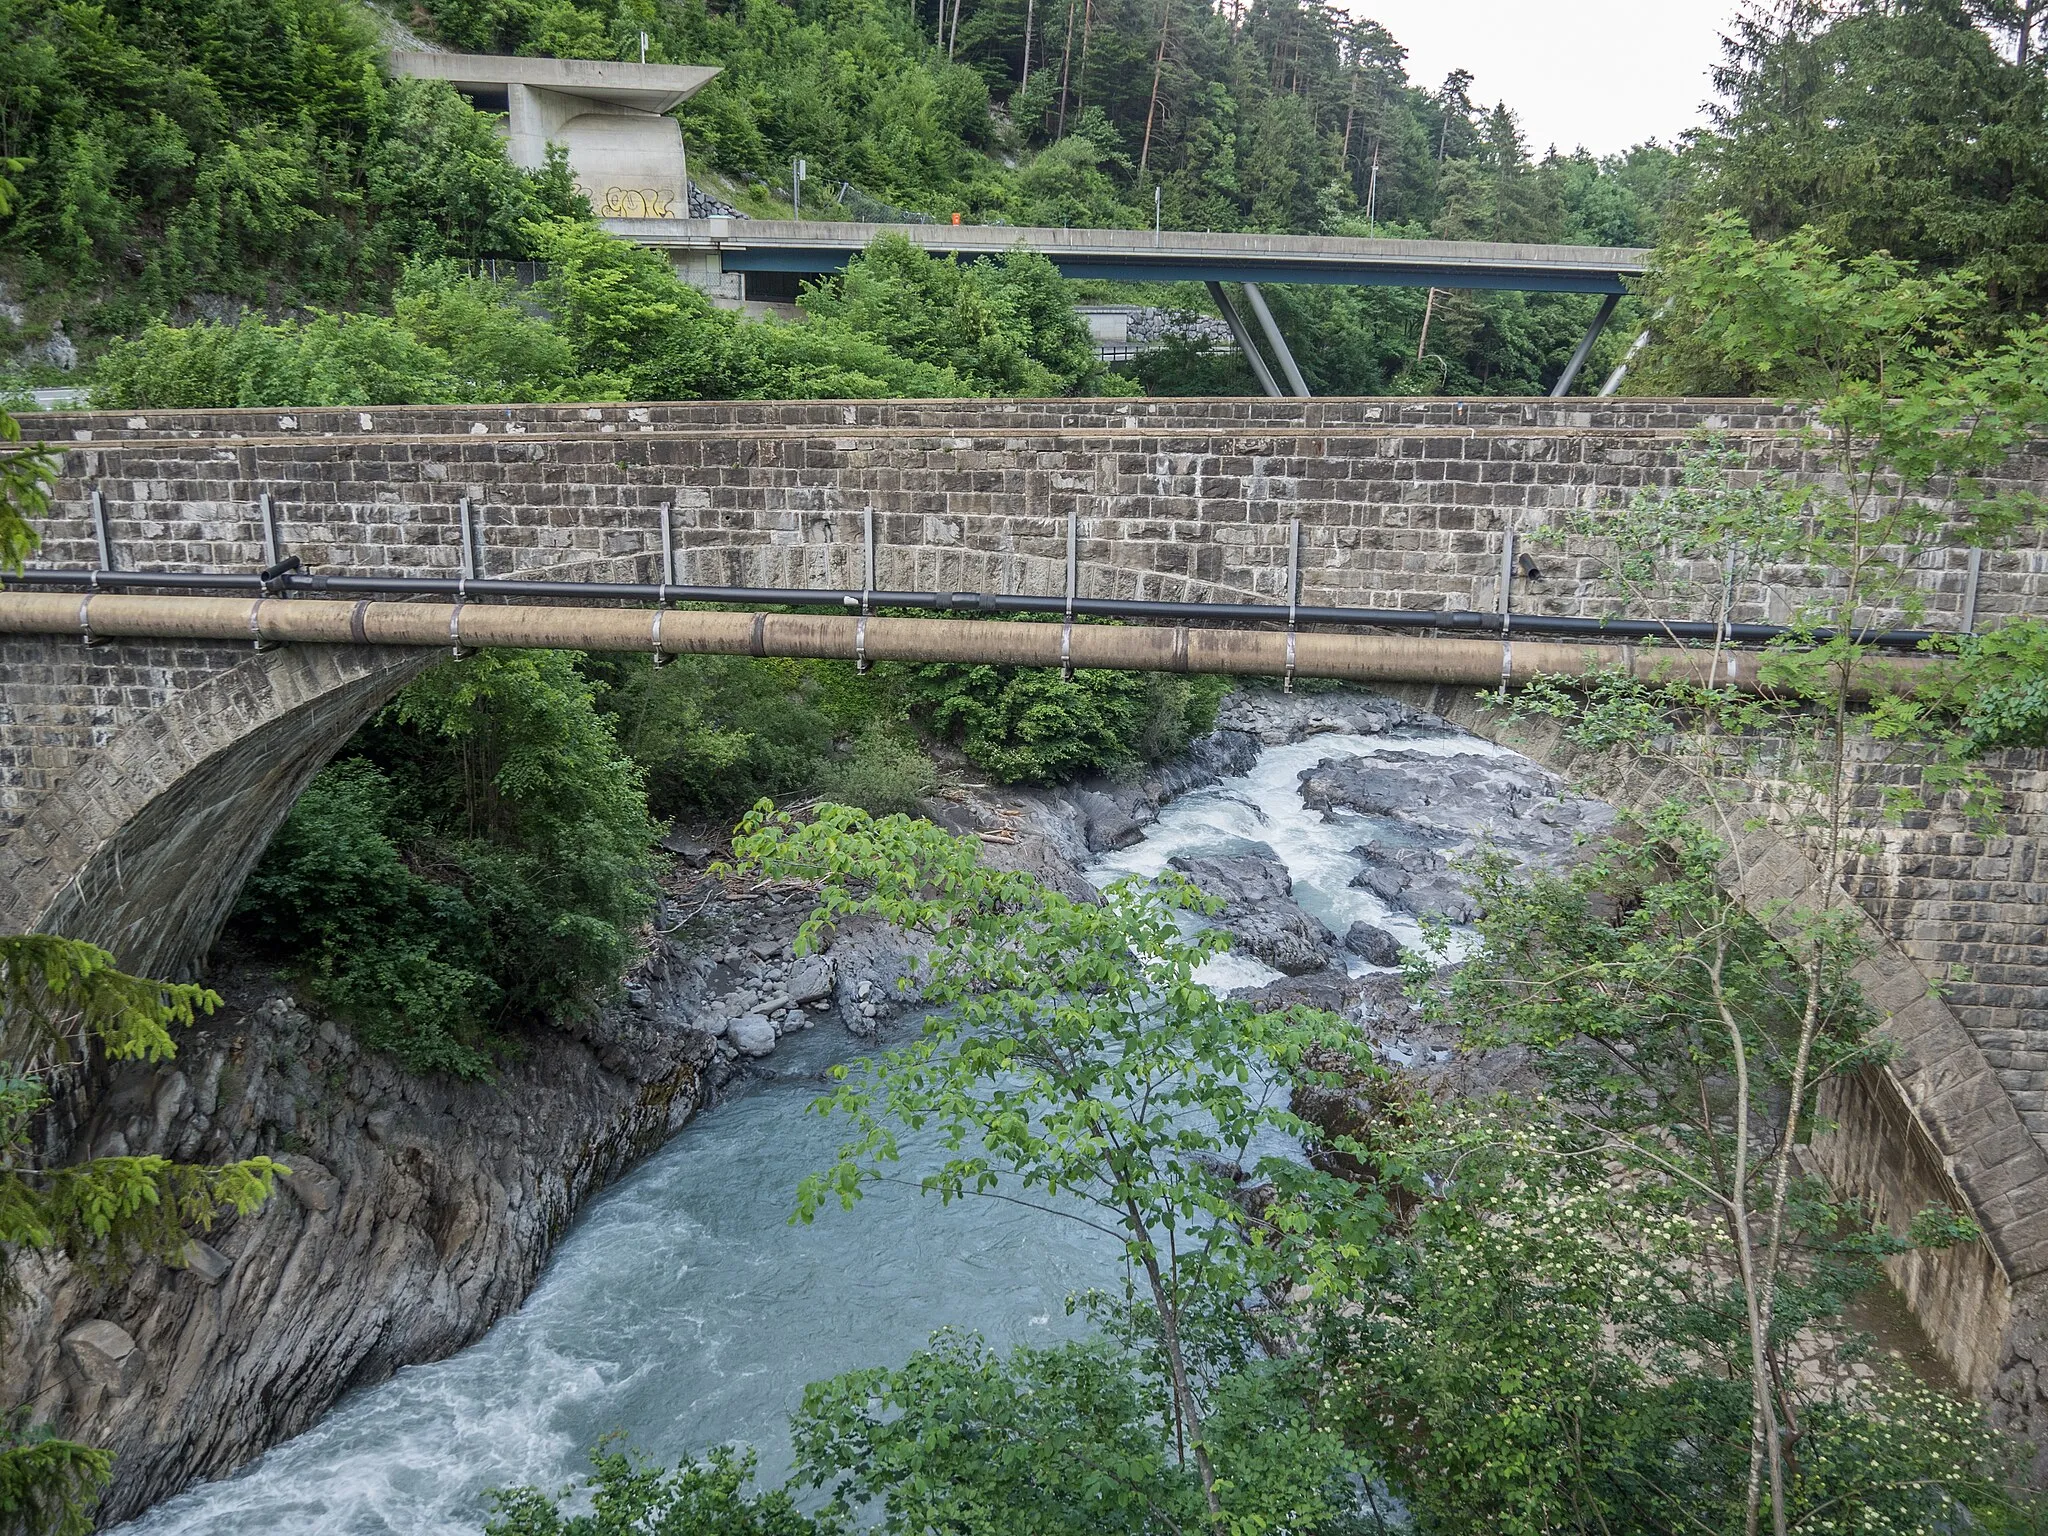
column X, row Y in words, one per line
column 1241, row 879
column 752, row 1035
column 310, row 1183
column 1417, row 880
column 1283, row 936
column 810, row 979
column 105, row 1355
column 1109, row 825
column 1375, row 946
column 205, row 1261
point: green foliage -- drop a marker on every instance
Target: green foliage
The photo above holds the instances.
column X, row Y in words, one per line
column 25, row 477
column 629, row 1498
column 224, row 145
column 59, row 997
column 453, row 338
column 1887, row 128
column 1026, row 725
column 477, row 860
column 1075, row 1061
column 48, row 1486
column 1003, row 327
column 1997, row 686
column 714, row 734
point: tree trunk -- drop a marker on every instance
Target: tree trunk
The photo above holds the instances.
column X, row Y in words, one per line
column 1024, row 75
column 1066, row 57
column 1158, row 68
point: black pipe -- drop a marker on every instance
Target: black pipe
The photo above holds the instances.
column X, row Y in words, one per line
column 1457, row 620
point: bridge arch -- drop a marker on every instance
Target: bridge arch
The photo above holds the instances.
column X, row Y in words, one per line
column 145, row 840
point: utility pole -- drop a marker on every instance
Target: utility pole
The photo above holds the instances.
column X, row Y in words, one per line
column 797, row 172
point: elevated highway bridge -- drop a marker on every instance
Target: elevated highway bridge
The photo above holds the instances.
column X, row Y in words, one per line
column 718, row 254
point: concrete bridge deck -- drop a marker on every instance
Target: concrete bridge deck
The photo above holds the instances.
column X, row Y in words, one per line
column 820, row 245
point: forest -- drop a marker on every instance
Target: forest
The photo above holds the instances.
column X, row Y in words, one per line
column 234, row 164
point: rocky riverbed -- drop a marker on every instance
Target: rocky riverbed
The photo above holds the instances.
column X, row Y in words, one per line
column 421, row 1212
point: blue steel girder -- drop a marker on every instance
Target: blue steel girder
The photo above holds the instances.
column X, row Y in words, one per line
column 1153, row 268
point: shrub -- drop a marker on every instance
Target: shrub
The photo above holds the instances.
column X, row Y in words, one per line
column 1028, row 726
column 477, row 859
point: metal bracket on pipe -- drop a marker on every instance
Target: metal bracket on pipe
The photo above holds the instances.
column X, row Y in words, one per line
column 1067, row 629
column 1970, row 592
column 471, row 566
column 668, row 579
column 85, row 634
column 867, row 589
column 1293, row 598
column 256, row 640
column 455, row 622
column 1507, row 591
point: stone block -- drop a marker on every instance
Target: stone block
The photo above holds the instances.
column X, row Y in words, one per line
column 105, row 1356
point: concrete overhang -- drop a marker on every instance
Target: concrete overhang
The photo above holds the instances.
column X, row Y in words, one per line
column 644, row 87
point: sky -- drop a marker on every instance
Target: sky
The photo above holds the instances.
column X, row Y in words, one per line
column 1604, row 74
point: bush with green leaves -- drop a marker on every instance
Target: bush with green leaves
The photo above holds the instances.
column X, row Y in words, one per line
column 251, row 148
column 714, row 734
column 476, row 861
column 1026, row 725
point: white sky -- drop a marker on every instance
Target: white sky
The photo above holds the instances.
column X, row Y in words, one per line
column 1604, row 74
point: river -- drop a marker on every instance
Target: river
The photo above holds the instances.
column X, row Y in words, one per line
column 683, row 1309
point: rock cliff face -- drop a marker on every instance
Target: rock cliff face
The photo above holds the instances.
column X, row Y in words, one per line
column 418, row 1212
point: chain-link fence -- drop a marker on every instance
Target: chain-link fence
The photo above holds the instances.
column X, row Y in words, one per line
column 863, row 209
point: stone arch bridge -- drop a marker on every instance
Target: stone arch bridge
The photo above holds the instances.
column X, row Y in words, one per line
column 140, row 780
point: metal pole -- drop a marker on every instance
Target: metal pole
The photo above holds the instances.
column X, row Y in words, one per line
column 101, row 532
column 1278, row 342
column 1621, row 370
column 1158, row 216
column 271, row 552
column 867, row 589
column 1073, row 591
column 1970, row 592
column 1260, row 372
column 668, row 547
column 1293, row 597
column 1570, row 376
column 470, row 562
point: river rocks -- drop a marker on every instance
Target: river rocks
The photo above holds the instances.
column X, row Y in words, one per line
column 1416, row 880
column 1275, row 719
column 1459, row 796
column 1112, row 825
column 752, row 1035
column 810, row 980
column 1256, row 890
column 1375, row 946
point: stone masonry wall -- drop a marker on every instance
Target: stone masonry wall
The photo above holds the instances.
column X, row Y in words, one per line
column 1403, row 504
